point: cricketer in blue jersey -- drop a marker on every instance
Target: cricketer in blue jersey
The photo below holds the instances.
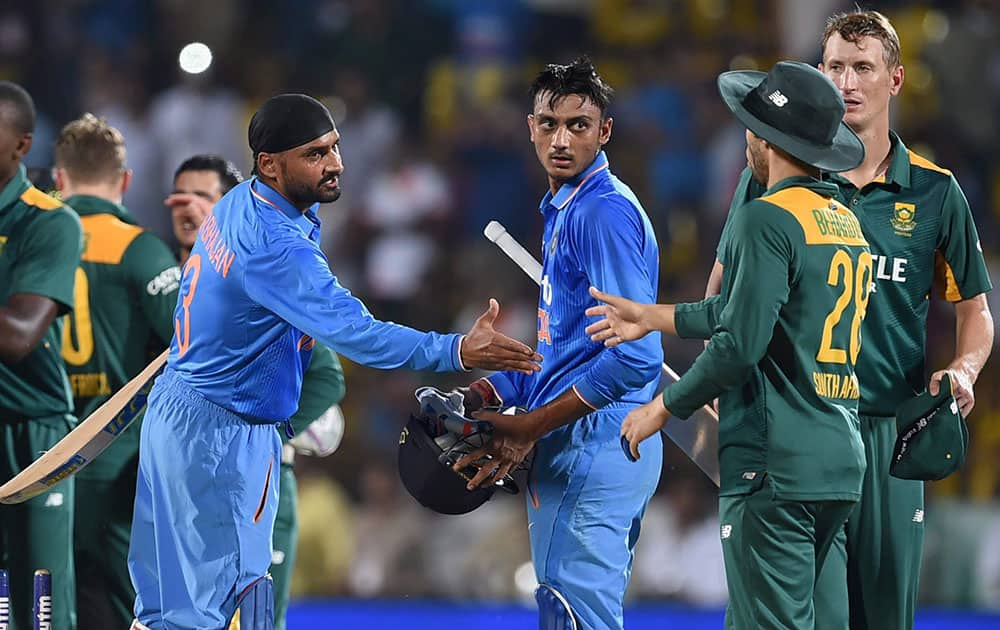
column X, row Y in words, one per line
column 255, row 292
column 585, row 500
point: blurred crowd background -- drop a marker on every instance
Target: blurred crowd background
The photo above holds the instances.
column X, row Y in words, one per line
column 430, row 99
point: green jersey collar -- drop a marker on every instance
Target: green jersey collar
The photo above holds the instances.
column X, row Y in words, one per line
column 898, row 172
column 899, row 166
column 826, row 189
column 88, row 204
column 15, row 188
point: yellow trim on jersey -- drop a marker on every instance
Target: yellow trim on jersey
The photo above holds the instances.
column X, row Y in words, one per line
column 945, row 278
column 34, row 197
column 106, row 237
column 922, row 162
column 824, row 221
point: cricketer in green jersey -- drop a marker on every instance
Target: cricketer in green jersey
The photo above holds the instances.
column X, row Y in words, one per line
column 922, row 237
column 318, row 428
column 199, row 182
column 126, row 291
column 40, row 242
column 783, row 340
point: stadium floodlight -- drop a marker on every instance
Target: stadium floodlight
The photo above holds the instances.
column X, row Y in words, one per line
column 195, row 58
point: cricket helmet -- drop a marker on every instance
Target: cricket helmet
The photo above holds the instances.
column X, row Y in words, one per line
column 427, row 452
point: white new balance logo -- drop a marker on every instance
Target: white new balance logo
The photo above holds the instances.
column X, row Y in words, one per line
column 918, row 516
column 727, row 531
column 778, row 98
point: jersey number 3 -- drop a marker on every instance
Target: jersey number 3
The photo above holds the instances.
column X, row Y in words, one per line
column 182, row 330
column 857, row 286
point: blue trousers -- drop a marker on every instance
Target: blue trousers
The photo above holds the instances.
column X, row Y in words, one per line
column 206, row 497
column 585, row 504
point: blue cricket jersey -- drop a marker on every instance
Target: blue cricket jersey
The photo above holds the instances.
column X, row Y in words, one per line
column 596, row 233
column 255, row 292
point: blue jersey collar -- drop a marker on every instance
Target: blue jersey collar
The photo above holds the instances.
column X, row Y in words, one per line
column 573, row 185
column 271, row 197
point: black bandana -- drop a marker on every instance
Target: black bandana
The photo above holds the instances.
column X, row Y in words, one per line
column 287, row 121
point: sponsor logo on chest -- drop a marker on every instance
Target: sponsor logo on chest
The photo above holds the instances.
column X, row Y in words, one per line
column 888, row 268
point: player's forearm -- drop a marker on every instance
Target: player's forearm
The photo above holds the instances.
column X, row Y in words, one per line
column 659, row 317
column 723, row 365
column 566, row 408
column 697, row 320
column 16, row 339
column 23, row 323
column 973, row 336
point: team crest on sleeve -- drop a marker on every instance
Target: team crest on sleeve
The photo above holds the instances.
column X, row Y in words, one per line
column 903, row 218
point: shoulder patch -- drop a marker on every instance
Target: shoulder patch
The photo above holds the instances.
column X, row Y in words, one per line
column 824, row 221
column 38, row 199
column 106, row 237
column 922, row 162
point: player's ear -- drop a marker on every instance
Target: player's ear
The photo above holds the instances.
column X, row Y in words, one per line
column 126, row 180
column 267, row 165
column 60, row 179
column 606, row 125
column 23, row 145
column 531, row 127
column 896, row 78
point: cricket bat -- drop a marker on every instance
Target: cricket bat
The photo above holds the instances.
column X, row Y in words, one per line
column 698, row 436
column 81, row 445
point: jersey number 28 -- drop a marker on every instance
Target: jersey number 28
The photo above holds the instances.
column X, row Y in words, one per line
column 856, row 283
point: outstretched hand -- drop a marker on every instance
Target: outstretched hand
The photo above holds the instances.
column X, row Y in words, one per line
column 623, row 319
column 488, row 349
column 642, row 422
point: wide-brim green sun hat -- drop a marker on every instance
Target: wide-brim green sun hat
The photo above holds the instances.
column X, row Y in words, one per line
column 796, row 108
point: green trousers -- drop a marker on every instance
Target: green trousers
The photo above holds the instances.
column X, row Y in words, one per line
column 37, row 534
column 105, row 595
column 875, row 562
column 773, row 550
column 286, row 536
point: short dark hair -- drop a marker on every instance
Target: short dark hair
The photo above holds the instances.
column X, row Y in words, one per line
column 16, row 107
column 578, row 78
column 229, row 175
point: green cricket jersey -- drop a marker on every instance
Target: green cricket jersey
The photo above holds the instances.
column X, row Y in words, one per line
column 322, row 387
column 782, row 349
column 922, row 236
column 126, row 291
column 40, row 242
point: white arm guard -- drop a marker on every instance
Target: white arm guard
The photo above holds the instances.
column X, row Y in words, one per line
column 323, row 436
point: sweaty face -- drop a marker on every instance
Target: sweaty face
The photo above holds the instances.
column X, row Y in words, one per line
column 757, row 158
column 865, row 81
column 187, row 217
column 311, row 173
column 567, row 134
